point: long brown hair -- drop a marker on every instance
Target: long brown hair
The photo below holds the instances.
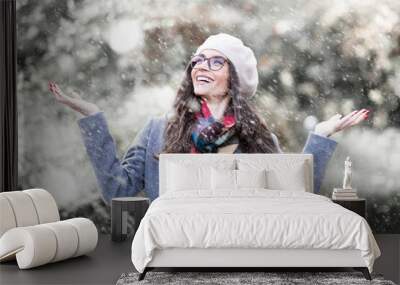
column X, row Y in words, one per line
column 253, row 134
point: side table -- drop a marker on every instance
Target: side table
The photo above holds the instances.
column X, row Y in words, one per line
column 120, row 208
column 358, row 206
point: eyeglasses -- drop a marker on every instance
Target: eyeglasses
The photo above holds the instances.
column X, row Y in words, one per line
column 214, row 63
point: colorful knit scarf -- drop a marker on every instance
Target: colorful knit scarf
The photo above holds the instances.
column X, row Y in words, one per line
column 208, row 133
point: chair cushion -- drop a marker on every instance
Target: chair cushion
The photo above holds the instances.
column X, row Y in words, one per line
column 45, row 243
column 26, row 208
column 7, row 220
column 23, row 208
column 45, row 205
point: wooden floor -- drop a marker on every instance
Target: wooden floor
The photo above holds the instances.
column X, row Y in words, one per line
column 110, row 259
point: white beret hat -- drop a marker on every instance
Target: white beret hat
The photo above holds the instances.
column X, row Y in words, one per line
column 240, row 55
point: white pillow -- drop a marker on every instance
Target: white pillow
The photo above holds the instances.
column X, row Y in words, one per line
column 193, row 171
column 223, row 179
column 293, row 180
column 251, row 178
column 182, row 177
column 283, row 173
column 227, row 179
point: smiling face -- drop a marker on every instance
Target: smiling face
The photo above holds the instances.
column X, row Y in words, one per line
column 210, row 83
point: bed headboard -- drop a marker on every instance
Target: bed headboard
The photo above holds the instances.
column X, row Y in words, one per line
column 284, row 163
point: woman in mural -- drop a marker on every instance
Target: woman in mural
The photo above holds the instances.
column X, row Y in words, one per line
column 211, row 114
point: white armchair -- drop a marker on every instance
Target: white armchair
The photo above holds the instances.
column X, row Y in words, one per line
column 31, row 231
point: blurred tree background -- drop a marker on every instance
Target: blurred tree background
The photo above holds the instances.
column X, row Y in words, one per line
column 314, row 60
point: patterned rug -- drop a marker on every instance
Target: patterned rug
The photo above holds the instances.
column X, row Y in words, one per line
column 269, row 278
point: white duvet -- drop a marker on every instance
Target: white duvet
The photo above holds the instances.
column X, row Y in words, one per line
column 254, row 218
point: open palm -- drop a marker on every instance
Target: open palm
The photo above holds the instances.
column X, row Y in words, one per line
column 336, row 123
column 73, row 100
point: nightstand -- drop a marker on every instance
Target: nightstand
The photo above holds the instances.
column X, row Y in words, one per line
column 120, row 208
column 358, row 206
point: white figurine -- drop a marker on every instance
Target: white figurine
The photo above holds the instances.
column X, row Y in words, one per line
column 347, row 174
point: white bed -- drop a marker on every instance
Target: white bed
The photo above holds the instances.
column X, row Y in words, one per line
column 203, row 218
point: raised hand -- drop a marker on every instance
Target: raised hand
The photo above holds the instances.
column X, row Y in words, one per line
column 74, row 101
column 336, row 123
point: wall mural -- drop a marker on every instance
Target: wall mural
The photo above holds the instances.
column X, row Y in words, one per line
column 314, row 60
